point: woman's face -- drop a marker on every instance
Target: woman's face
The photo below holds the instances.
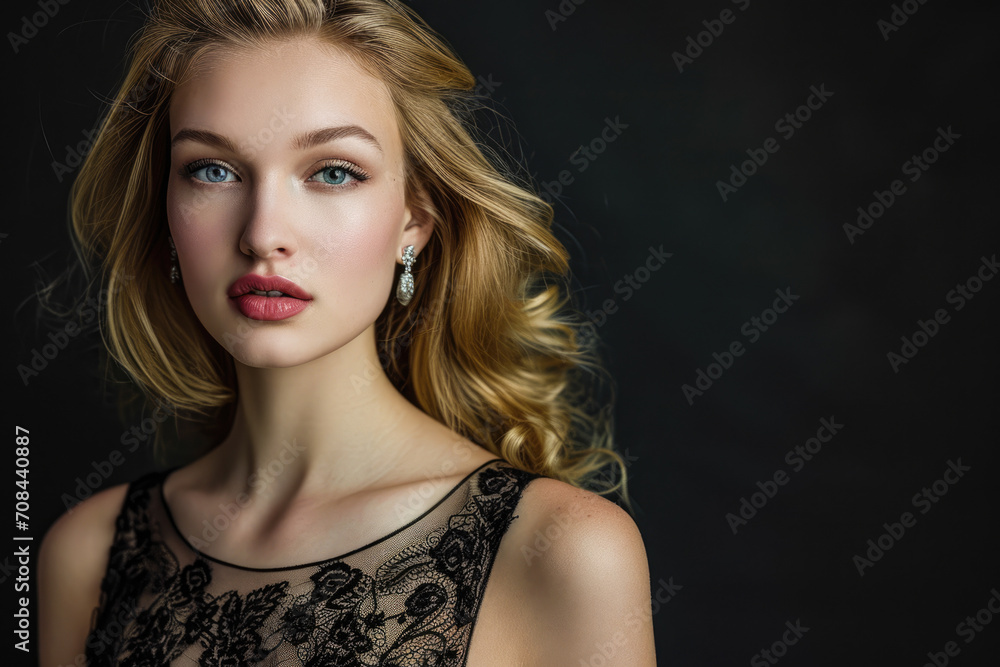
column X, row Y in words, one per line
column 286, row 162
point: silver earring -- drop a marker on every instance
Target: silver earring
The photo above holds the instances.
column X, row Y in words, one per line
column 404, row 292
column 175, row 273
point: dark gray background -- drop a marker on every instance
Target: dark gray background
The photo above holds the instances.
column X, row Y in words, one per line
column 656, row 185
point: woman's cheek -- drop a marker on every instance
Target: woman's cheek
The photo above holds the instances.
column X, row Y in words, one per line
column 201, row 251
column 368, row 244
column 185, row 204
column 198, row 244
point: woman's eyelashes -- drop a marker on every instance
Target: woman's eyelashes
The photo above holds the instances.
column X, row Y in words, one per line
column 335, row 173
column 215, row 172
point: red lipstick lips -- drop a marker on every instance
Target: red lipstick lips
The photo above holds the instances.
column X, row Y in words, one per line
column 268, row 298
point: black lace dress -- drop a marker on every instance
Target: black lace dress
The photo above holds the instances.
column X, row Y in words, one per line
column 409, row 598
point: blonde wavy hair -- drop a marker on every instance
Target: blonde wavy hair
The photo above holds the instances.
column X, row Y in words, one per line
column 491, row 344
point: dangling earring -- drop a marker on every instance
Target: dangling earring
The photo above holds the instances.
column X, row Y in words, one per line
column 404, row 292
column 175, row 273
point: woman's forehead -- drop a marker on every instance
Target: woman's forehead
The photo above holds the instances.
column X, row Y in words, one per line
column 242, row 89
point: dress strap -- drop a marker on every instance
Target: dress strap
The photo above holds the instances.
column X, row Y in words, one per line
column 131, row 531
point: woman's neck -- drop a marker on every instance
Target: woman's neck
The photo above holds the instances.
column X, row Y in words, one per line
column 334, row 425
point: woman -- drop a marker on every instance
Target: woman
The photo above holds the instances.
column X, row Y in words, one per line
column 376, row 463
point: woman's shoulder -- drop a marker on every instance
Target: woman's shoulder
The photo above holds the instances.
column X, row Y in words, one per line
column 76, row 547
column 577, row 563
column 569, row 523
column 86, row 528
column 95, row 516
column 72, row 560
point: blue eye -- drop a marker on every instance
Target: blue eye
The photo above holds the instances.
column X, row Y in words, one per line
column 337, row 174
column 214, row 173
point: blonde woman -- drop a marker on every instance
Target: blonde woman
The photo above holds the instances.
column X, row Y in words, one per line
column 385, row 441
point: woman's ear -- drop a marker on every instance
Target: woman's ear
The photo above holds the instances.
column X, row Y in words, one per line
column 421, row 216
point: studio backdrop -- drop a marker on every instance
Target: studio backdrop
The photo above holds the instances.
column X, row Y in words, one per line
column 781, row 221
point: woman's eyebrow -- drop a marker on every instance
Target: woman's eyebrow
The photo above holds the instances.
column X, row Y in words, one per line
column 300, row 142
column 322, row 136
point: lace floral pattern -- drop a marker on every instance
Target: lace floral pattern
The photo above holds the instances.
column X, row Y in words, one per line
column 408, row 599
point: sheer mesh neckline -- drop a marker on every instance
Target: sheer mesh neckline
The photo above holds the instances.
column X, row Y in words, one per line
column 201, row 554
column 411, row 601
